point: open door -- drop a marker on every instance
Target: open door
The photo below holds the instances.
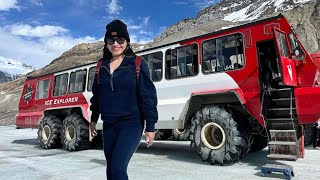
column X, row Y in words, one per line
column 287, row 65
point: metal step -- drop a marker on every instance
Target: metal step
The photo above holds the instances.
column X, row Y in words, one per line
column 283, row 135
column 281, row 131
column 283, row 112
column 282, row 109
column 282, row 99
column 280, row 125
column 282, row 156
column 284, row 143
column 282, row 89
column 281, row 93
column 282, row 102
column 282, row 119
column 287, row 170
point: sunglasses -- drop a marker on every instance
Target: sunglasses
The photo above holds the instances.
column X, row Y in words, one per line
column 120, row 40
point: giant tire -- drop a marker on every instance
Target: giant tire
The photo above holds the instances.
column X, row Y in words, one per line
column 75, row 133
column 163, row 134
column 49, row 132
column 217, row 137
column 181, row 134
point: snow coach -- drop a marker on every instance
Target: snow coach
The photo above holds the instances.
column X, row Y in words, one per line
column 229, row 92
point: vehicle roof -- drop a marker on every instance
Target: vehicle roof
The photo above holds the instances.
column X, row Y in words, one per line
column 216, row 32
column 34, row 77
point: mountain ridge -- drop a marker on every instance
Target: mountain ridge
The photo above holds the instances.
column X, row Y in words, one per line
column 216, row 14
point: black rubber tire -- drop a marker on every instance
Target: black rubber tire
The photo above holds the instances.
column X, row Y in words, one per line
column 236, row 144
column 75, row 133
column 163, row 134
column 49, row 132
column 181, row 134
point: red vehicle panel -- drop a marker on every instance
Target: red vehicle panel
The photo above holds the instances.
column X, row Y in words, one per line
column 307, row 102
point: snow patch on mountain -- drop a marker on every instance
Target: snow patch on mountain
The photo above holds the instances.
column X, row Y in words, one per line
column 301, row 1
column 256, row 9
column 14, row 67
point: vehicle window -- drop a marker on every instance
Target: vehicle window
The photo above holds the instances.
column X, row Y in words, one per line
column 60, row 84
column 223, row 54
column 43, row 89
column 154, row 61
column 282, row 40
column 91, row 75
column 298, row 53
column 77, row 81
column 182, row 62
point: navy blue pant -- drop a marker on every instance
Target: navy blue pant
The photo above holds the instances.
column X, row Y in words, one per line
column 120, row 141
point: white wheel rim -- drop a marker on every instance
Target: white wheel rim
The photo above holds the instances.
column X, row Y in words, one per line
column 213, row 135
column 70, row 133
column 46, row 132
column 179, row 131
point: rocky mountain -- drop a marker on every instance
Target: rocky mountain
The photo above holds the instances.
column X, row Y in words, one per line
column 12, row 69
column 304, row 16
column 5, row 77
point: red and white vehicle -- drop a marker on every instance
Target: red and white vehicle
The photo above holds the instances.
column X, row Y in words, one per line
column 228, row 92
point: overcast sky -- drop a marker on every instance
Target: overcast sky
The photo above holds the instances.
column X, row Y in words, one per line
column 38, row 31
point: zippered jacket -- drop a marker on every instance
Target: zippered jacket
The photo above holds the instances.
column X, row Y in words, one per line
column 121, row 98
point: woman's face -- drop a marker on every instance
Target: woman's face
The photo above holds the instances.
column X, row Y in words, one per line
column 116, row 45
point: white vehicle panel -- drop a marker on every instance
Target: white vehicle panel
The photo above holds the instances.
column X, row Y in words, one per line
column 174, row 94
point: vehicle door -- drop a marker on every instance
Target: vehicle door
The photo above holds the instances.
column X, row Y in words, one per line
column 285, row 61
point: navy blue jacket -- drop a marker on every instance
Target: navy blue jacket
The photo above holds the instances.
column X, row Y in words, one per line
column 120, row 98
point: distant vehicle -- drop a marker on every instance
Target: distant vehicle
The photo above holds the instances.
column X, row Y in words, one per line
column 228, row 92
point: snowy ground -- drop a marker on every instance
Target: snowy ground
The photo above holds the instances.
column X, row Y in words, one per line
column 22, row 158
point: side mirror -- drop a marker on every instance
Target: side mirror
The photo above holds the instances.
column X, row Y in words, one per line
column 296, row 52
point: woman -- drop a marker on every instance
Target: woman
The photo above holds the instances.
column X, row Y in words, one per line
column 124, row 102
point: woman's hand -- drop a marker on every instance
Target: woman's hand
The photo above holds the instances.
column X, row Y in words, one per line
column 149, row 138
column 93, row 129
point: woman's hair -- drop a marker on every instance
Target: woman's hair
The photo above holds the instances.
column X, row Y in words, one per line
column 108, row 55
